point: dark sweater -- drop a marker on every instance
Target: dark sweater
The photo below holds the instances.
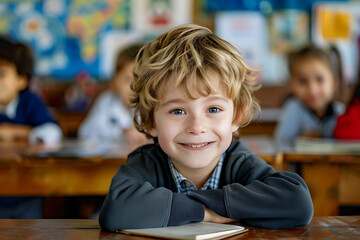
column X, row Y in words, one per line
column 143, row 193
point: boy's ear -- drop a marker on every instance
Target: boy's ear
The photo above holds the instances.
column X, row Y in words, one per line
column 22, row 82
column 234, row 127
column 152, row 131
column 236, row 122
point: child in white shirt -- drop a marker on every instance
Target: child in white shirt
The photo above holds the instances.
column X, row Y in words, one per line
column 110, row 119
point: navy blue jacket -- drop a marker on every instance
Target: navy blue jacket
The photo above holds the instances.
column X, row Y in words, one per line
column 31, row 111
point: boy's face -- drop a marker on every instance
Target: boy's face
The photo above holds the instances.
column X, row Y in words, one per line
column 121, row 82
column 313, row 83
column 11, row 83
column 194, row 133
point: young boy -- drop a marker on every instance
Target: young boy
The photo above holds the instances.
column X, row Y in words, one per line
column 193, row 92
column 110, row 119
column 23, row 116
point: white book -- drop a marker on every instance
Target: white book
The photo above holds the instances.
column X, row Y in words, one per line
column 199, row 230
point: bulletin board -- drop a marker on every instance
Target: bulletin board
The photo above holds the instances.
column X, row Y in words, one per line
column 265, row 41
column 339, row 24
column 289, row 26
column 63, row 33
column 69, row 36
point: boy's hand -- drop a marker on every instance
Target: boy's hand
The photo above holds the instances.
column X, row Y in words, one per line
column 12, row 132
column 211, row 216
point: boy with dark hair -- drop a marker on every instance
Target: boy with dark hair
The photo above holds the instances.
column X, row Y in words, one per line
column 23, row 116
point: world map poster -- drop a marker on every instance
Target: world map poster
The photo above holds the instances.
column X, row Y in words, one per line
column 64, row 34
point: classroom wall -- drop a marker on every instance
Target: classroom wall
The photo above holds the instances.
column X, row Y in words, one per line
column 75, row 41
column 70, row 37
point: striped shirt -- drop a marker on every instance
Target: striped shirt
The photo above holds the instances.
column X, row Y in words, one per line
column 184, row 185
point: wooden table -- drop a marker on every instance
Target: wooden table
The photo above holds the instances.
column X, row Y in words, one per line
column 319, row 228
column 22, row 173
column 333, row 179
column 265, row 148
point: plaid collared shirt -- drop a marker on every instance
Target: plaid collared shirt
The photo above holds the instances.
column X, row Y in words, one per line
column 184, row 185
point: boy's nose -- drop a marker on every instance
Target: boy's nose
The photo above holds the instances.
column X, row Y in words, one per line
column 196, row 125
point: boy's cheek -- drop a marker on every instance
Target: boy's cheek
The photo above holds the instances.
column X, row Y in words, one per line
column 22, row 83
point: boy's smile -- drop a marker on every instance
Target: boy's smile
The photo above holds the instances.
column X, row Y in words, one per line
column 194, row 132
column 194, row 146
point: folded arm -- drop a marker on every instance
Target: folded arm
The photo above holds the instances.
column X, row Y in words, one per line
column 262, row 198
column 135, row 203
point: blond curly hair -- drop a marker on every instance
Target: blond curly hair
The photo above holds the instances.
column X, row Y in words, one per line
column 184, row 56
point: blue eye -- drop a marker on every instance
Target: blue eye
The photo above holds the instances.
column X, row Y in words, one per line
column 213, row 110
column 177, row 112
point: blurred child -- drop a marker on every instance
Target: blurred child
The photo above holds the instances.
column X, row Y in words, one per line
column 110, row 119
column 192, row 93
column 348, row 125
column 313, row 110
column 23, row 116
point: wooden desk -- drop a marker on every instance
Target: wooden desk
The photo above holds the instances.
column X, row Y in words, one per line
column 319, row 228
column 70, row 122
column 333, row 179
column 259, row 128
column 265, row 148
column 24, row 174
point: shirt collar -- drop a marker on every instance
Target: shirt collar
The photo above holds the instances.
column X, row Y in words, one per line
column 10, row 109
column 184, row 185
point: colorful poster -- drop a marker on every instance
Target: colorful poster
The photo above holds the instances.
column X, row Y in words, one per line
column 111, row 44
column 335, row 23
column 64, row 34
column 265, row 42
column 153, row 17
column 339, row 24
column 288, row 31
column 247, row 31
